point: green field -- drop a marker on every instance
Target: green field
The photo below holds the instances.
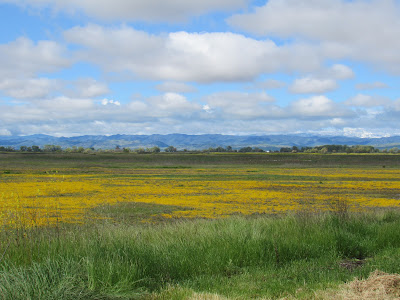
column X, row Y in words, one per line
column 132, row 250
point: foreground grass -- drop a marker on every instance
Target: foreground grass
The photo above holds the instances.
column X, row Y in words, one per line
column 260, row 257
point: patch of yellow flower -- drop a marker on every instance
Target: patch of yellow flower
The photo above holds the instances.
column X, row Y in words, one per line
column 38, row 200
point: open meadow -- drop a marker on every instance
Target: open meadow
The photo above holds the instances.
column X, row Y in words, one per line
column 195, row 226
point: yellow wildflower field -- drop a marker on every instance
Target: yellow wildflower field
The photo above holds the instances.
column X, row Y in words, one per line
column 47, row 199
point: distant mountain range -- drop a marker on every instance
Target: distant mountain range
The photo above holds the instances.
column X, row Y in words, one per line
column 191, row 142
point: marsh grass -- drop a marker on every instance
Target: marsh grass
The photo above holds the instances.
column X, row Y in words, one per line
column 237, row 257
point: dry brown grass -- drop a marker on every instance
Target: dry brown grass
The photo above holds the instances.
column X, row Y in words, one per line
column 207, row 296
column 378, row 285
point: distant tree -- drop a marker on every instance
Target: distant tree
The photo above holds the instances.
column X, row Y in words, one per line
column 35, row 148
column 256, row 149
column 358, row 149
column 170, row 149
column 52, row 148
column 219, row 149
column 126, row 150
column 324, row 150
column 285, row 149
column 155, row 149
column 23, row 148
column 140, row 150
column 88, row 151
column 229, row 149
column 245, row 149
column 394, row 150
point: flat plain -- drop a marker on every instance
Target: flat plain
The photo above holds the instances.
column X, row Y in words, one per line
column 47, row 198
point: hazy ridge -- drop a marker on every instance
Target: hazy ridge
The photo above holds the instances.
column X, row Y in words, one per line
column 190, row 142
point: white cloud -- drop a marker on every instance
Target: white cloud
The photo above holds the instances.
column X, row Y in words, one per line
column 89, row 87
column 107, row 102
column 134, row 10
column 319, row 107
column 29, row 88
column 23, row 57
column 172, row 104
column 340, row 72
column 362, row 132
column 239, row 105
column 175, row 87
column 207, row 108
column 371, row 85
column 394, row 106
column 39, row 88
column 334, row 20
column 363, row 100
column 229, row 113
column 270, row 84
column 310, row 85
column 183, row 56
column 5, row 132
column 62, row 104
column 360, row 30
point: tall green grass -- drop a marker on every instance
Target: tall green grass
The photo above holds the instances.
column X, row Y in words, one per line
column 237, row 257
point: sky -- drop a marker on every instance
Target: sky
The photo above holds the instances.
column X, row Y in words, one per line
column 238, row 67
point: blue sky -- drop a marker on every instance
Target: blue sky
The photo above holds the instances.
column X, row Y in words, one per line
column 76, row 67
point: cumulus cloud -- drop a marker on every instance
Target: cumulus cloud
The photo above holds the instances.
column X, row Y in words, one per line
column 5, row 132
column 318, row 107
column 207, row 108
column 240, row 105
column 64, row 114
column 270, row 84
column 363, row 100
column 310, row 85
column 228, row 113
column 142, row 10
column 23, row 57
column 371, row 85
column 361, row 30
column 62, row 104
column 183, row 56
column 113, row 102
column 89, row 87
column 172, row 103
column 175, row 87
column 340, row 72
column 363, row 133
column 29, row 87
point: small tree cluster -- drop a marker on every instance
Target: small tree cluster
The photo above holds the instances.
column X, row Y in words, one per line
column 170, row 149
column 52, row 148
column 7, row 149
column 324, row 149
column 220, row 149
column 154, row 149
column 250, row 149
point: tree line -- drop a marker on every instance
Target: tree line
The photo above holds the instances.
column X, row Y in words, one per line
column 339, row 149
column 324, row 149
